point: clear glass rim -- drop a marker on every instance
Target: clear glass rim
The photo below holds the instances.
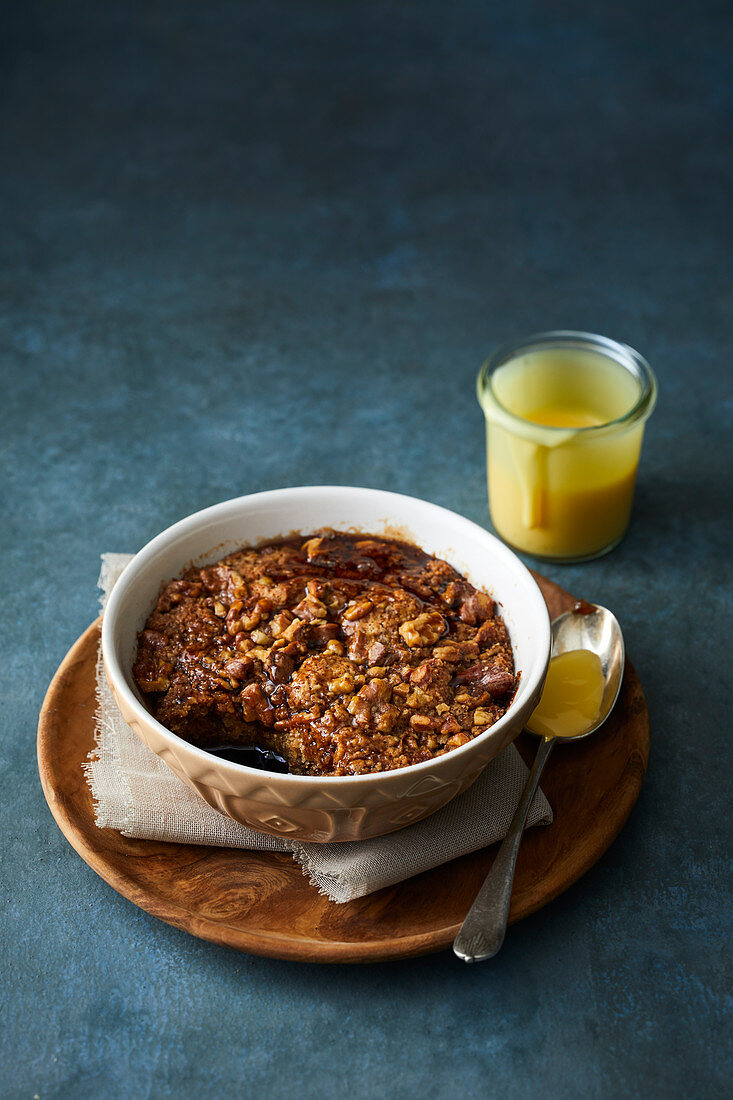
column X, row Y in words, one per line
column 626, row 356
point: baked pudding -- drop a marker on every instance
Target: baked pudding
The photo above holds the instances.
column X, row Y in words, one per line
column 334, row 654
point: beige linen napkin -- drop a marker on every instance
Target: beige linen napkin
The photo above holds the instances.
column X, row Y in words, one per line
column 137, row 794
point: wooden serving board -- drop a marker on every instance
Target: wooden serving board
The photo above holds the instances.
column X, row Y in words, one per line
column 262, row 903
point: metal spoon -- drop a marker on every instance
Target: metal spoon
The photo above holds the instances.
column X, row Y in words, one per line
column 588, row 627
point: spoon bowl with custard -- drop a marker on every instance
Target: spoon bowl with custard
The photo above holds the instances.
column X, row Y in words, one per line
column 583, row 682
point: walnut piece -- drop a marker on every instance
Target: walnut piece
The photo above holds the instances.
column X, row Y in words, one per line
column 424, row 630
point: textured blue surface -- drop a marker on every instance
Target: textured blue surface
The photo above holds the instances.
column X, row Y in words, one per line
column 253, row 245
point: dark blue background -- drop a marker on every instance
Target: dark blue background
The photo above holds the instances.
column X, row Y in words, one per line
column 248, row 245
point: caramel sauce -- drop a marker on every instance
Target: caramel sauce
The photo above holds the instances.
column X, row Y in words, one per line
column 250, row 756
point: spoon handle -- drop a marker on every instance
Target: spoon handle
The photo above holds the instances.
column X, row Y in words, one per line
column 482, row 932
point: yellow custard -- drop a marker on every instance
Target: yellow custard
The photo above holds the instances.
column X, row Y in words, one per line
column 561, row 454
column 572, row 695
column 553, row 417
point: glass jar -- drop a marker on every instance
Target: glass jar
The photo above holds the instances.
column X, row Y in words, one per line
column 565, row 415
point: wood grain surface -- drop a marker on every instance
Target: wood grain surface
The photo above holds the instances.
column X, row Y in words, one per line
column 261, row 902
